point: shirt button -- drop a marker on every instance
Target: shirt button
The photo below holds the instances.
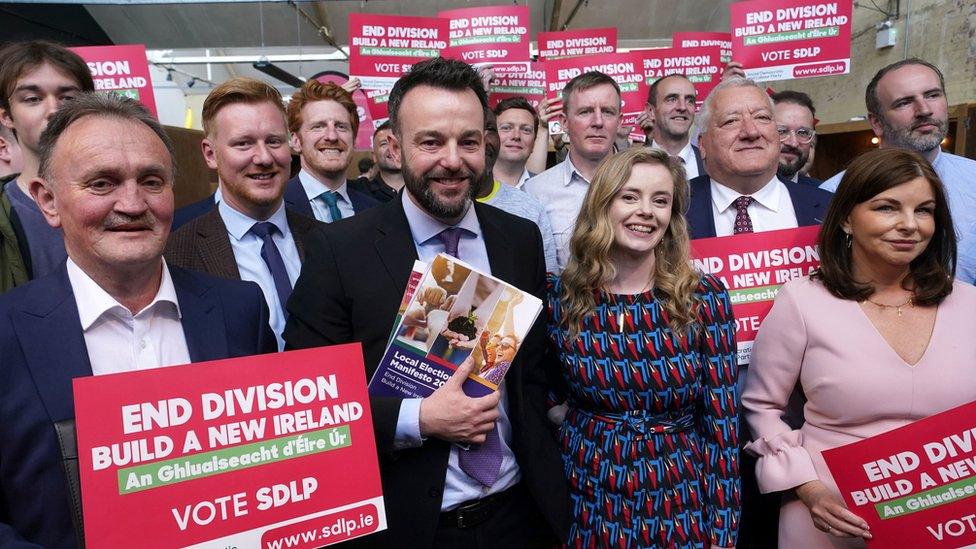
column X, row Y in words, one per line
column 142, row 344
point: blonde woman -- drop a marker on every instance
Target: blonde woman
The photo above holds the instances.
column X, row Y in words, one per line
column 647, row 353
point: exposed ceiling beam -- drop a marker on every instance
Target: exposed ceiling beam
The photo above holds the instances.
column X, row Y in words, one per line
column 572, row 14
column 321, row 23
column 557, row 7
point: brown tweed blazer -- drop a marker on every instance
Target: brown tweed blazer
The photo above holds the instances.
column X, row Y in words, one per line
column 204, row 245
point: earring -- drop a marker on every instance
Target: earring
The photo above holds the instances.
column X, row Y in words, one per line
column 849, row 239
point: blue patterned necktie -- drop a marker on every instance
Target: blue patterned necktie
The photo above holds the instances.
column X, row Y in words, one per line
column 272, row 257
column 331, row 199
column 481, row 462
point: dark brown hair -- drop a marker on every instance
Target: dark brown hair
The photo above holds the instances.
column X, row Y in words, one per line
column 586, row 81
column 312, row 91
column 518, row 103
column 238, row 90
column 18, row 58
column 440, row 73
column 871, row 100
column 869, row 175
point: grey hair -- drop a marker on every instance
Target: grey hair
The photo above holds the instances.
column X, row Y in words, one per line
column 705, row 115
column 102, row 105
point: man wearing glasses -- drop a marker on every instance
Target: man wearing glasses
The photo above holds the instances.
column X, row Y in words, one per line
column 795, row 121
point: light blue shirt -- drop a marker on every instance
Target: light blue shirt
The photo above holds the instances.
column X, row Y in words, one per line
column 561, row 189
column 958, row 175
column 314, row 189
column 247, row 252
column 458, row 486
column 517, row 202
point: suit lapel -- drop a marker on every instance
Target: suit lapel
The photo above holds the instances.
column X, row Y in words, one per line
column 54, row 357
column 698, row 160
column 296, row 199
column 394, row 243
column 203, row 326
column 808, row 212
column 300, row 226
column 501, row 255
column 213, row 243
column 701, row 222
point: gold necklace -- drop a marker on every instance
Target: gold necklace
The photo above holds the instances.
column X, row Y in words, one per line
column 910, row 303
column 620, row 308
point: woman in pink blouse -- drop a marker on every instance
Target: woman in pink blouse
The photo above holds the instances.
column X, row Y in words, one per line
column 879, row 337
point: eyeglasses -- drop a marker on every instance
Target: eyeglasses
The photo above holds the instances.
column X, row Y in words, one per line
column 803, row 135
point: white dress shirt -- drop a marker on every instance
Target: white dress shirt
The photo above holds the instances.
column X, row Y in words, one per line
column 561, row 189
column 687, row 154
column 314, row 189
column 120, row 341
column 522, row 179
column 251, row 266
column 771, row 208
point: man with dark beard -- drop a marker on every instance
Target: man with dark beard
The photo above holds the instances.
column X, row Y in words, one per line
column 795, row 121
column 350, row 288
column 908, row 109
column 388, row 181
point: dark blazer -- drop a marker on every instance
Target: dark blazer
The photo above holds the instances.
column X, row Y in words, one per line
column 376, row 188
column 204, row 245
column 188, row 213
column 698, row 160
column 42, row 348
column 810, row 205
column 808, row 181
column 297, row 201
column 350, row 288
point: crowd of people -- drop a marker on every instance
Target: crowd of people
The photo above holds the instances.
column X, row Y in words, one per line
column 618, row 422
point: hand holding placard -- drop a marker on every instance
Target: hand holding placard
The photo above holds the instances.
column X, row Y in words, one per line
column 451, row 415
column 829, row 513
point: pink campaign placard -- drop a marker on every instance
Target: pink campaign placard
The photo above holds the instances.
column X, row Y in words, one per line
column 382, row 48
column 489, row 34
column 530, row 84
column 704, row 40
column 915, row 485
column 262, row 451
column 776, row 40
column 122, row 70
column 702, row 66
column 573, row 43
column 625, row 68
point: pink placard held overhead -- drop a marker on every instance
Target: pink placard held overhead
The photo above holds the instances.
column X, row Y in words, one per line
column 530, row 84
column 704, row 40
column 915, row 486
column 702, row 66
column 271, row 450
column 382, row 48
column 489, row 35
column 364, row 137
column 626, row 69
column 776, row 40
column 121, row 70
column 573, row 43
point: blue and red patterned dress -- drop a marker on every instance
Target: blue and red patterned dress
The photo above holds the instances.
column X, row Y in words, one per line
column 650, row 442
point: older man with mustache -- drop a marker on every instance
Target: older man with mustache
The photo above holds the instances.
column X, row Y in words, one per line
column 908, row 109
column 105, row 177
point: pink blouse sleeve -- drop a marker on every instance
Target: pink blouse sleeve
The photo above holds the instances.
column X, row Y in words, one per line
column 777, row 356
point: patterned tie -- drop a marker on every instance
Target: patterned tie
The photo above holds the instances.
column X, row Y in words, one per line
column 331, row 199
column 272, row 257
column 481, row 462
column 743, row 223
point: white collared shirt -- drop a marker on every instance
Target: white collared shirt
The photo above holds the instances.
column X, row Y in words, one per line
column 561, row 189
column 314, row 188
column 771, row 208
column 687, row 154
column 523, row 178
column 119, row 341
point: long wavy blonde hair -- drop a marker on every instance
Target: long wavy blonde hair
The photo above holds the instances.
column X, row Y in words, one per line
column 590, row 267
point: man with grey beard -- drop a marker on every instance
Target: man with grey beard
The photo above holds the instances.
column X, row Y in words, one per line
column 908, row 109
column 350, row 289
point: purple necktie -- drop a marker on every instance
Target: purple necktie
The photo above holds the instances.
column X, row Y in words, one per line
column 272, row 257
column 743, row 223
column 483, row 461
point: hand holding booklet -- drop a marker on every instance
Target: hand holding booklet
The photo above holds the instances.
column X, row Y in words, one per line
column 450, row 313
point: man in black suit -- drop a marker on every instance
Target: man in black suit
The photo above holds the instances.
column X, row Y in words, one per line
column 795, row 122
column 671, row 104
column 350, row 289
column 741, row 147
column 323, row 122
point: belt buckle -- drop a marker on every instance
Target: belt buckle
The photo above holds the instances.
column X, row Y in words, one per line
column 464, row 509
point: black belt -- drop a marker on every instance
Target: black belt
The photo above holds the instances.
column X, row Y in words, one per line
column 472, row 513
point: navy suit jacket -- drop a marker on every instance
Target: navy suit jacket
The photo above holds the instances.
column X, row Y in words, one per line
column 809, row 203
column 297, row 201
column 808, row 181
column 698, row 160
column 42, row 348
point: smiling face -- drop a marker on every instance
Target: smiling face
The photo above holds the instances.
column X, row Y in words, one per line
column 325, row 139
column 674, row 111
column 892, row 228
column 740, row 144
column 249, row 150
column 641, row 210
column 109, row 187
column 441, row 148
column 793, row 154
column 591, row 120
column 37, row 95
column 382, row 155
column 516, row 128
column 914, row 109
